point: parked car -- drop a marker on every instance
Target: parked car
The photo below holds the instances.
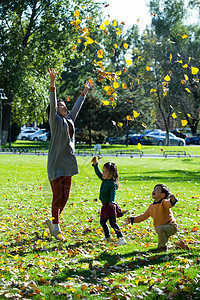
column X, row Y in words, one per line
column 25, row 131
column 115, row 140
column 24, row 134
column 134, row 139
column 44, row 137
column 195, row 139
column 35, row 135
column 179, row 133
column 158, row 137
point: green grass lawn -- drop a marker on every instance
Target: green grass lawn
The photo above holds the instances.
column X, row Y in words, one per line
column 83, row 266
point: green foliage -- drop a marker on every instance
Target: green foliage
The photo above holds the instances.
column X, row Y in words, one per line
column 35, row 36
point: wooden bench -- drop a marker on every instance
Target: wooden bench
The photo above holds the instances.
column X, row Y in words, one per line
column 175, row 153
column 131, row 153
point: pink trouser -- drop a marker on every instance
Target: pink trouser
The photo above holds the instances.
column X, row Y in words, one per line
column 61, row 187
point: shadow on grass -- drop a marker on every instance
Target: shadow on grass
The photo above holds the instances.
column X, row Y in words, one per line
column 112, row 265
column 178, row 175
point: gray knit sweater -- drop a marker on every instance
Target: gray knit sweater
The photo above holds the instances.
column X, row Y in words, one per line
column 61, row 158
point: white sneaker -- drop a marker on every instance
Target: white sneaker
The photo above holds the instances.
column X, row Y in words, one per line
column 121, row 241
column 50, row 225
column 57, row 234
column 108, row 239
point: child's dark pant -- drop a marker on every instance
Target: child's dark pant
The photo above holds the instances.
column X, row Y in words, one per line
column 61, row 187
column 113, row 224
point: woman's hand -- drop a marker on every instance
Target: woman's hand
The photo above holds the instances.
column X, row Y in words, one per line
column 52, row 74
column 88, row 85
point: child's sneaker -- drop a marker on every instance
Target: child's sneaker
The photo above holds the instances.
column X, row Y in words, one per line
column 121, row 241
column 108, row 239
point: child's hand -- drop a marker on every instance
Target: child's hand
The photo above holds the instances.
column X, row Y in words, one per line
column 94, row 160
column 111, row 204
column 127, row 220
column 172, row 198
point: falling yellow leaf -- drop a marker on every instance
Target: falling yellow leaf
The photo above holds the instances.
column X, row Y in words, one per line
column 115, row 45
column 183, row 81
column 183, row 122
column 105, row 102
column 119, row 73
column 185, row 66
column 148, row 68
column 152, row 91
column 100, row 53
column 185, row 36
column 125, row 45
column 189, row 59
column 118, row 32
column 116, row 85
column 119, row 124
column 76, row 13
column 128, row 61
column 135, row 114
column 144, row 125
column 102, row 27
column 180, row 61
column 167, row 78
column 174, row 116
column 76, row 22
column 106, row 88
column 170, row 57
column 187, row 90
column 51, row 219
column 194, row 70
column 139, row 146
column 186, row 77
column 90, row 41
column 106, row 22
column 114, row 23
column 79, row 41
column 189, row 115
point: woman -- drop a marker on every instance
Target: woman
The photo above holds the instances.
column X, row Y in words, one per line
column 62, row 164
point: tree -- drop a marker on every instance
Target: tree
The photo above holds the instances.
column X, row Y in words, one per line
column 35, row 35
column 161, row 48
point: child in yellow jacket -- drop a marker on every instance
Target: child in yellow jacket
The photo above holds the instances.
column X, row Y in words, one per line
column 160, row 210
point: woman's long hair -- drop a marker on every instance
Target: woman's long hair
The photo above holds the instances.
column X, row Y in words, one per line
column 113, row 168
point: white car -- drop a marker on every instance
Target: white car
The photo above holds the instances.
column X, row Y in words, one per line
column 35, row 135
column 44, row 137
column 25, row 133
